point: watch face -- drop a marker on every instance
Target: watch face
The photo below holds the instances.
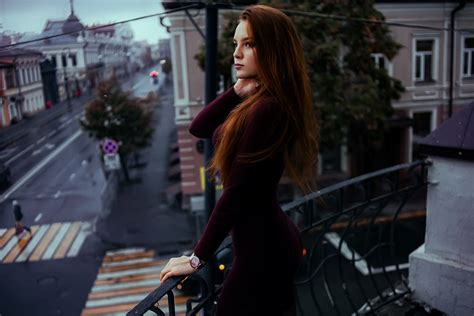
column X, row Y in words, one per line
column 194, row 262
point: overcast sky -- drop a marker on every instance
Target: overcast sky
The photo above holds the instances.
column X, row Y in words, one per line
column 31, row 15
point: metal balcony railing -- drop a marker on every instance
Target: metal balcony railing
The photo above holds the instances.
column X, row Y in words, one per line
column 357, row 236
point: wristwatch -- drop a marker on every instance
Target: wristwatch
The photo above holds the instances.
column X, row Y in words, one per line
column 195, row 262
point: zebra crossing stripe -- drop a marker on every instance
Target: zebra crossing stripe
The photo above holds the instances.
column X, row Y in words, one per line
column 67, row 241
column 55, row 243
column 5, row 250
column 45, row 242
column 32, row 244
column 125, row 278
column 2, row 231
column 48, row 241
column 20, row 246
column 77, row 244
column 7, row 237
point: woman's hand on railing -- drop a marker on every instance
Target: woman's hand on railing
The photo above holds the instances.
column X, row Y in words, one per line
column 176, row 267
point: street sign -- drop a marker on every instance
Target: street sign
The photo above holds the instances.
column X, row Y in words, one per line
column 111, row 162
column 110, row 146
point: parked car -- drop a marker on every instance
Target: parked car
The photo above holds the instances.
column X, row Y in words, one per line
column 4, row 175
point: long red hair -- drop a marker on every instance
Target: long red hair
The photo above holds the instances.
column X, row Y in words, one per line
column 282, row 75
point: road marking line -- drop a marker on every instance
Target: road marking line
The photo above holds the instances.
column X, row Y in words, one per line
column 32, row 244
column 102, row 276
column 22, row 243
column 360, row 263
column 3, row 231
column 76, row 246
column 45, row 242
column 7, row 237
column 37, row 168
column 57, row 194
column 124, row 263
column 124, row 251
column 67, row 241
column 72, row 176
column 8, row 162
column 52, row 247
column 38, row 217
column 42, row 139
column 119, row 286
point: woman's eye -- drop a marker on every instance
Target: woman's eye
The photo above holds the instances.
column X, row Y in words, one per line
column 248, row 45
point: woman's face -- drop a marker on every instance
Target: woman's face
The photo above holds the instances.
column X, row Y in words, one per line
column 244, row 53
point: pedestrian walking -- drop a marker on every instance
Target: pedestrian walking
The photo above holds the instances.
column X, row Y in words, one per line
column 20, row 228
column 262, row 126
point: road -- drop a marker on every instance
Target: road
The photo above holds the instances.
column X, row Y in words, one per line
column 57, row 178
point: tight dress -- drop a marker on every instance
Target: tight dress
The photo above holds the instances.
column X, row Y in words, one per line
column 266, row 244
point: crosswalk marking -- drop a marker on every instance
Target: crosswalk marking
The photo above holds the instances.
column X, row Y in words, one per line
column 77, row 244
column 56, row 241
column 22, row 242
column 61, row 252
column 47, row 241
column 32, row 244
column 125, row 278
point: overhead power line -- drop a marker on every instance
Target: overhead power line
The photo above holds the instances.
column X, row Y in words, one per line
column 233, row 7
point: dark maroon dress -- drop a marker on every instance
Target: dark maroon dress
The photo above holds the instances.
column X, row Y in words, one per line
column 267, row 245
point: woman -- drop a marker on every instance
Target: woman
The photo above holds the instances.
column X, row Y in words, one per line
column 262, row 126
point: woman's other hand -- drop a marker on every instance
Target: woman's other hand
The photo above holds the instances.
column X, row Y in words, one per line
column 245, row 87
column 176, row 267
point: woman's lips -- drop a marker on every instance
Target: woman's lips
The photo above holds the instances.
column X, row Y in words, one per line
column 238, row 66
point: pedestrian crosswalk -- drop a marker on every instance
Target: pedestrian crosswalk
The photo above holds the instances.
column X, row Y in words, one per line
column 125, row 278
column 46, row 242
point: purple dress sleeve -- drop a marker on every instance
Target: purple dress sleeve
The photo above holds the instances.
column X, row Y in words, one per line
column 244, row 187
column 214, row 114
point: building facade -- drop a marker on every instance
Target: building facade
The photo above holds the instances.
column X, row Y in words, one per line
column 21, row 88
column 422, row 65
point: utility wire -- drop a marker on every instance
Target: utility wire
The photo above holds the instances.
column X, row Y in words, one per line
column 192, row 6
column 233, row 7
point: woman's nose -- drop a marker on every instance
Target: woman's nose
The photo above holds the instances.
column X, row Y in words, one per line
column 237, row 53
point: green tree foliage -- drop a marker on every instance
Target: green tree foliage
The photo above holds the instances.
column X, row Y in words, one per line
column 353, row 96
column 115, row 114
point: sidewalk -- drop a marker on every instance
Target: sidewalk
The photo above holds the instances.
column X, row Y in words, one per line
column 140, row 216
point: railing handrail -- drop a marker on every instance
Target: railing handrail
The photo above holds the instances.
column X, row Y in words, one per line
column 148, row 303
column 313, row 195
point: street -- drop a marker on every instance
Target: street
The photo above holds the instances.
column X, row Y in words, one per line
column 57, row 179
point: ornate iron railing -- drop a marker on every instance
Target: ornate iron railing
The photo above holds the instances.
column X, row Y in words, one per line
column 354, row 236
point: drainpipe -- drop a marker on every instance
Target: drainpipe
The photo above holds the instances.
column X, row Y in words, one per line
column 19, row 99
column 460, row 6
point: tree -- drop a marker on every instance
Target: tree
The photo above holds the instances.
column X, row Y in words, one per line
column 352, row 95
column 115, row 114
column 351, row 92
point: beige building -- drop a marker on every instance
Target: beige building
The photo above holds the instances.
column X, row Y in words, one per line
column 422, row 65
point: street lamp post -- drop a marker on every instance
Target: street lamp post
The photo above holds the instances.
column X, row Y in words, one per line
column 66, row 85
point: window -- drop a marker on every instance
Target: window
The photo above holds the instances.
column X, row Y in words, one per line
column 53, row 61
column 468, row 58
column 424, row 61
column 28, row 71
column 23, row 77
column 9, row 79
column 73, row 59
column 64, row 60
column 379, row 60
